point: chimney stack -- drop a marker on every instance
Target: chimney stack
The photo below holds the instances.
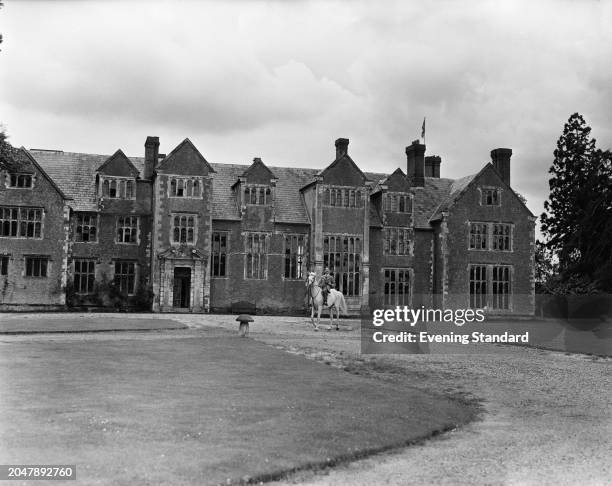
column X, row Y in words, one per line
column 432, row 166
column 151, row 156
column 415, row 168
column 341, row 147
column 501, row 161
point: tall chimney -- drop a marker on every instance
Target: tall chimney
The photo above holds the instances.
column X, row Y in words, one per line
column 151, row 156
column 415, row 168
column 432, row 166
column 341, row 147
column 501, row 161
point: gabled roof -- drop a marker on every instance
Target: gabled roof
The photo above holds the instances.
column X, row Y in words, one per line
column 342, row 159
column 75, row 174
column 118, row 161
column 289, row 207
column 460, row 186
column 32, row 161
column 186, row 146
column 259, row 170
column 397, row 181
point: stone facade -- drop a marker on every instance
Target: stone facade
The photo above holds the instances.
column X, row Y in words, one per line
column 208, row 237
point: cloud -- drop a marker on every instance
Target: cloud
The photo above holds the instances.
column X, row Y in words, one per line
column 283, row 79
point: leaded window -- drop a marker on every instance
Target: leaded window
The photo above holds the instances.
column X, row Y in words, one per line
column 185, row 187
column 478, row 286
column 397, row 203
column 127, row 229
column 396, row 241
column 502, row 236
column 490, row 286
column 397, row 287
column 478, row 236
column 342, row 254
column 183, row 228
column 125, row 277
column 256, row 256
column 84, row 275
column 490, row 196
column 36, row 266
column 86, row 227
column 118, row 188
column 20, row 180
column 257, row 195
column 21, row 222
column 218, row 266
column 342, row 197
column 295, row 256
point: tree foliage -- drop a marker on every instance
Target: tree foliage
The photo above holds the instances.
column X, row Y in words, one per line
column 577, row 221
column 8, row 153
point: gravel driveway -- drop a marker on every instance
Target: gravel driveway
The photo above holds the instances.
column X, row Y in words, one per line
column 547, row 416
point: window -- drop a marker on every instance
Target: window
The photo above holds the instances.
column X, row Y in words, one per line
column 478, row 236
column 490, row 196
column 295, row 256
column 396, row 241
column 397, row 287
column 36, row 266
column 501, row 287
column 20, row 222
column 84, row 276
column 490, row 286
column 478, row 286
column 184, row 187
column 491, row 236
column 218, row 266
column 183, row 228
column 342, row 254
column 118, row 188
column 20, row 180
column 125, row 277
column 397, row 203
column 342, row 197
column 256, row 258
column 127, row 229
column 259, row 195
column 502, row 237
column 86, row 227
column 4, row 260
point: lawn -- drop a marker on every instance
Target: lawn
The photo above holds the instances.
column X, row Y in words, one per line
column 197, row 409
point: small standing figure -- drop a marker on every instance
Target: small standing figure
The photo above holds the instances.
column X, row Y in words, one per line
column 326, row 283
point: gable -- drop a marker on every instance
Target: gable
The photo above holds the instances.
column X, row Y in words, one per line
column 343, row 172
column 27, row 160
column 118, row 164
column 470, row 193
column 397, row 182
column 185, row 159
column 258, row 173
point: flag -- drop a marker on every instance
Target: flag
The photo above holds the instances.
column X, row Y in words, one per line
column 423, row 129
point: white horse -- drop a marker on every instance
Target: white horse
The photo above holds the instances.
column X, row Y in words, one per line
column 335, row 301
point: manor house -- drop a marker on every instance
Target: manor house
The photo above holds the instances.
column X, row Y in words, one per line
column 195, row 236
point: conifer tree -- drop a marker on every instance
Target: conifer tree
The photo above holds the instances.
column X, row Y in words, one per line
column 578, row 214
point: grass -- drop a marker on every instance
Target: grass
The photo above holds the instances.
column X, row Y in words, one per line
column 197, row 410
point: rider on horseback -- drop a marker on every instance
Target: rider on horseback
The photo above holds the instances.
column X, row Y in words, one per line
column 326, row 283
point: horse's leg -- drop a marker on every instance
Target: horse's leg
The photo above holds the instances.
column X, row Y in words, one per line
column 312, row 312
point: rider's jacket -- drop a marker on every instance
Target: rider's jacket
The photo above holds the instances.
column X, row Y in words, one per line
column 327, row 282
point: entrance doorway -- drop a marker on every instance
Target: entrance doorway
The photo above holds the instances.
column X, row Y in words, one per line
column 182, row 287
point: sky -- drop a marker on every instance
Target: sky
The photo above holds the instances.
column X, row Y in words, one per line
column 281, row 80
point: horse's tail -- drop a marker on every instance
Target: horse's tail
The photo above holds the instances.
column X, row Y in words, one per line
column 343, row 307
